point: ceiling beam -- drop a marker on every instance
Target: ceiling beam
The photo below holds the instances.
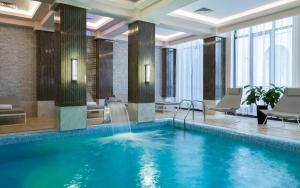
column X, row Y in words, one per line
column 142, row 4
column 41, row 12
column 185, row 39
column 100, row 8
column 16, row 21
column 47, row 23
column 185, row 26
column 113, row 31
column 164, row 7
column 127, row 5
column 147, row 10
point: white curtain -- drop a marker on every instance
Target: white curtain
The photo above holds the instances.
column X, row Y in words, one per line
column 296, row 49
column 264, row 55
column 189, row 71
column 261, row 43
column 283, row 53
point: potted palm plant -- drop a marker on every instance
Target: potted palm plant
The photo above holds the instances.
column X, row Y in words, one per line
column 262, row 98
column 272, row 95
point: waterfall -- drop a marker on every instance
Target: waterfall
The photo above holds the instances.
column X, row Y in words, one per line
column 119, row 117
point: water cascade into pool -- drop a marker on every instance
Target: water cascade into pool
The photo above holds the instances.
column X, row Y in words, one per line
column 119, row 114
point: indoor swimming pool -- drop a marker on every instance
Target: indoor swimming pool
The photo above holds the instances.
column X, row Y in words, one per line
column 157, row 156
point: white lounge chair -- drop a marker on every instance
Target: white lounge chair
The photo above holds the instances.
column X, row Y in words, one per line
column 10, row 107
column 166, row 106
column 230, row 102
column 288, row 107
column 92, row 106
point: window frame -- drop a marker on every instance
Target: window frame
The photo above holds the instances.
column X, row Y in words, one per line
column 272, row 34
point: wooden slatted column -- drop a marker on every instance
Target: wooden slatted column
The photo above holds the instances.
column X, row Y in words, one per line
column 141, row 71
column 71, row 74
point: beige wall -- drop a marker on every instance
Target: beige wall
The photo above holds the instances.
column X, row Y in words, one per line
column 18, row 65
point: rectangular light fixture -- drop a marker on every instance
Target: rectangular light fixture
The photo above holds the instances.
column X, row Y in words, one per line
column 74, row 69
column 147, row 73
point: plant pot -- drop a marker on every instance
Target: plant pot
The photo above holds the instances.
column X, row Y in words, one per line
column 260, row 115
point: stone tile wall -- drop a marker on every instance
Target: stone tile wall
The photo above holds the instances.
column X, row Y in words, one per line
column 158, row 76
column 120, row 61
column 18, row 65
column 91, row 66
column 121, row 71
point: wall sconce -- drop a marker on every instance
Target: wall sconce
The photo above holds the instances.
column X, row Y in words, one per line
column 147, row 73
column 74, row 69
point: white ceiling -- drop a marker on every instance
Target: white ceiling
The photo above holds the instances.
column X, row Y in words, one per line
column 224, row 8
column 229, row 12
column 163, row 31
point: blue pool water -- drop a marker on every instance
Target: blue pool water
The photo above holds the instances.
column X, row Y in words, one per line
column 161, row 157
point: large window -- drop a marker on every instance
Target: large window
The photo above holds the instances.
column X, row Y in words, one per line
column 263, row 54
column 189, row 73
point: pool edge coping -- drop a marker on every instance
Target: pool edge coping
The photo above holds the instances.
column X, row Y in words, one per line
column 106, row 129
column 249, row 137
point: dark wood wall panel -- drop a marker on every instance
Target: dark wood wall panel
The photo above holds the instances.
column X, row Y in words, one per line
column 72, row 32
column 168, row 72
column 47, row 59
column 141, row 51
column 104, row 68
column 214, row 68
column 91, row 66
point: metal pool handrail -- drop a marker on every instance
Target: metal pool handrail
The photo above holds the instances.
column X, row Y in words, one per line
column 191, row 107
column 179, row 108
column 203, row 105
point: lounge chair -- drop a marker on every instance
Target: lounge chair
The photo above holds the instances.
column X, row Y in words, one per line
column 230, row 102
column 288, row 107
column 166, row 106
column 92, row 106
column 10, row 107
